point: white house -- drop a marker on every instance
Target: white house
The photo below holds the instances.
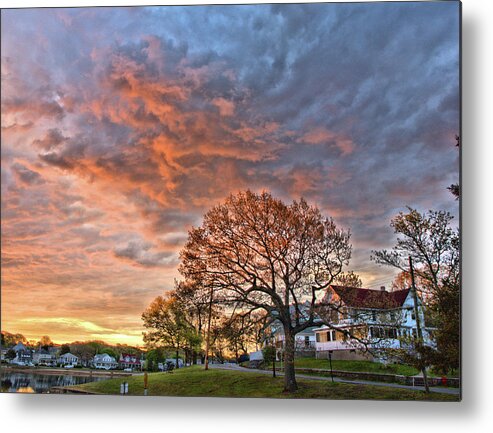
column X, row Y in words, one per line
column 104, row 361
column 304, row 341
column 173, row 361
column 132, row 361
column 44, row 357
column 68, row 359
column 375, row 318
column 23, row 355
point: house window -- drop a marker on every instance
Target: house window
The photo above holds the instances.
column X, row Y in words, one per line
column 317, row 337
column 392, row 333
column 373, row 316
column 376, row 332
column 307, row 341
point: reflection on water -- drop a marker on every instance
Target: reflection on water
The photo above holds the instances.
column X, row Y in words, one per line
column 40, row 383
column 26, row 389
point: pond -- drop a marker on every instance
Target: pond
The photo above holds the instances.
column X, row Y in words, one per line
column 40, row 383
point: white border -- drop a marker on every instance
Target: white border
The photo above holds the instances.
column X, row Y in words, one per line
column 77, row 414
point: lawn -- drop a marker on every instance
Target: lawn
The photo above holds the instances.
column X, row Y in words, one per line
column 361, row 366
column 195, row 381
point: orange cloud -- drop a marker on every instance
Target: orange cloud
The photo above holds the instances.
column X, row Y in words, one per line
column 321, row 135
column 226, row 108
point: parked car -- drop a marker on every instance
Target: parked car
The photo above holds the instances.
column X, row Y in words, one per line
column 69, row 366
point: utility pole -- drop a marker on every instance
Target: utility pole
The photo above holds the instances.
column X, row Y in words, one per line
column 207, row 341
column 418, row 324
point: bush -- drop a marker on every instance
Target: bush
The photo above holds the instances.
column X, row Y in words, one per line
column 243, row 358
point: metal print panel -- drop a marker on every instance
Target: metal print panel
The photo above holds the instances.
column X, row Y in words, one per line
column 235, row 201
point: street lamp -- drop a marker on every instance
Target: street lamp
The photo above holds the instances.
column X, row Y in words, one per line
column 330, row 363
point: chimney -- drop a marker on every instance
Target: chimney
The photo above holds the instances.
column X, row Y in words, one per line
column 382, row 288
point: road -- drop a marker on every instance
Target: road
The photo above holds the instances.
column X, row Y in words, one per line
column 453, row 391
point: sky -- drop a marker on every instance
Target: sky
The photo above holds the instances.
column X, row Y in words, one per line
column 121, row 127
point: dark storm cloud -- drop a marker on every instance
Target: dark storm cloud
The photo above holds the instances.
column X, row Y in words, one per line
column 140, row 253
column 26, row 176
column 52, row 139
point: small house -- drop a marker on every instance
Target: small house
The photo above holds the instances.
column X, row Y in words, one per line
column 130, row 361
column 68, row 359
column 44, row 357
column 104, row 361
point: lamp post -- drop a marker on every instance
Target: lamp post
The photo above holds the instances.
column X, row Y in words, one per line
column 330, row 363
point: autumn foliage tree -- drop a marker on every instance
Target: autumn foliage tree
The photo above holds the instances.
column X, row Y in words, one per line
column 45, row 342
column 434, row 247
column 168, row 326
column 260, row 254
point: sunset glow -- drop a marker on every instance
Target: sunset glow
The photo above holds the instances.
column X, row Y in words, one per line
column 121, row 127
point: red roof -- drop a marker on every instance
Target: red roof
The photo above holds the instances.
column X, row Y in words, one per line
column 128, row 358
column 368, row 298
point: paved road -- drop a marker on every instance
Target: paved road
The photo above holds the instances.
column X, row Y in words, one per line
column 453, row 391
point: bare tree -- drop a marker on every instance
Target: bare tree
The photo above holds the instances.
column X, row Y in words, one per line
column 349, row 279
column 432, row 244
column 434, row 247
column 195, row 302
column 261, row 254
column 240, row 331
column 455, row 187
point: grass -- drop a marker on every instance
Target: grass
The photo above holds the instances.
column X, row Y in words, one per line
column 196, row 382
column 360, row 366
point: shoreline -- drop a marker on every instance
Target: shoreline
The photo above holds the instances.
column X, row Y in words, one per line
column 69, row 372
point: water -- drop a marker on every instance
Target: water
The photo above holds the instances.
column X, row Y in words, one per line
column 40, row 383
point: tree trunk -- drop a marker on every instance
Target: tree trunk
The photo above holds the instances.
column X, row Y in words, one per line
column 290, row 384
column 177, row 356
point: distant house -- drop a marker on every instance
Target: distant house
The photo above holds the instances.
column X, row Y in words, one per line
column 173, row 361
column 376, row 317
column 3, row 353
column 304, row 340
column 44, row 357
column 128, row 360
column 68, row 359
column 54, row 351
column 104, row 361
column 19, row 346
column 23, row 355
